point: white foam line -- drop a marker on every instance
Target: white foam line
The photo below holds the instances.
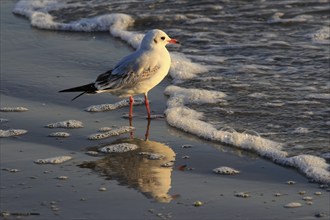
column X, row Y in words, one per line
column 190, row 121
column 37, row 12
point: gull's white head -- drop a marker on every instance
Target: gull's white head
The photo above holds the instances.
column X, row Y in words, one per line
column 156, row 38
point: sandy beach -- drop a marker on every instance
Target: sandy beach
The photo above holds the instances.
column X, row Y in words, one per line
column 36, row 64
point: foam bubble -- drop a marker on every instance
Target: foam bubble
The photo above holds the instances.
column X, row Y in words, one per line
column 109, row 107
column 225, row 171
column 118, row 148
column 198, row 96
column 12, row 132
column 293, row 205
column 66, row 124
column 320, row 36
column 277, row 18
column 114, row 132
column 301, row 130
column 53, row 160
column 13, row 109
column 59, row 134
column 182, row 68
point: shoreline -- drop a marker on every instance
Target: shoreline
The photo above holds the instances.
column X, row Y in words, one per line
column 36, row 188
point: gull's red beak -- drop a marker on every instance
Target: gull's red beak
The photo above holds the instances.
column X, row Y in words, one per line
column 173, row 41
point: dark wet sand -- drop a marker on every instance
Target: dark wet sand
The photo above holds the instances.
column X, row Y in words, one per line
column 35, row 64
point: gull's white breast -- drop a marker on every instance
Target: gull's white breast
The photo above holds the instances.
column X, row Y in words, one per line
column 153, row 67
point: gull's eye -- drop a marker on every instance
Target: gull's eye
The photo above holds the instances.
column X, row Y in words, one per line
column 163, row 38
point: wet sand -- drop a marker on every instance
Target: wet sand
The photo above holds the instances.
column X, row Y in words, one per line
column 35, row 64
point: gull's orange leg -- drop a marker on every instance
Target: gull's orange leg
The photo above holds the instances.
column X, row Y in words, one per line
column 131, row 101
column 147, row 104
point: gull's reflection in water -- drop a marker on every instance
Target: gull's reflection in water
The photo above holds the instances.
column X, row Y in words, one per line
column 142, row 169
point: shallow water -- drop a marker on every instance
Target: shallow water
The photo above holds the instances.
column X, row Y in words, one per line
column 270, row 58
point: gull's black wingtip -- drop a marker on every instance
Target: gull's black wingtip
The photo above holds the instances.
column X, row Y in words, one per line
column 89, row 88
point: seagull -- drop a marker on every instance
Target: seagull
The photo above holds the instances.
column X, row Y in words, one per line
column 136, row 73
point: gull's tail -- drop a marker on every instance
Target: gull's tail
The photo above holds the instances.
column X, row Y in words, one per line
column 89, row 88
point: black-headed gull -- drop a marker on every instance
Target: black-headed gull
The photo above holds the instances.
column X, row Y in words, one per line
column 136, row 73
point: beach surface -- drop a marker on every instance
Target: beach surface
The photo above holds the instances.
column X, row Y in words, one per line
column 36, row 64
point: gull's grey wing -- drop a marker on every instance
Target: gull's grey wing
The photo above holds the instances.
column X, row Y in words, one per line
column 110, row 81
column 127, row 73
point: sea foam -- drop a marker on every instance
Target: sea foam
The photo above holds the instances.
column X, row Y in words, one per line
column 321, row 36
column 110, row 133
column 109, row 107
column 12, row 132
column 191, row 121
column 66, row 124
column 198, row 96
column 13, row 109
column 37, row 11
column 277, row 18
column 53, row 160
column 118, row 148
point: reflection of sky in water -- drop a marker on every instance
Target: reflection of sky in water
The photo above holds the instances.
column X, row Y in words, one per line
column 137, row 171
